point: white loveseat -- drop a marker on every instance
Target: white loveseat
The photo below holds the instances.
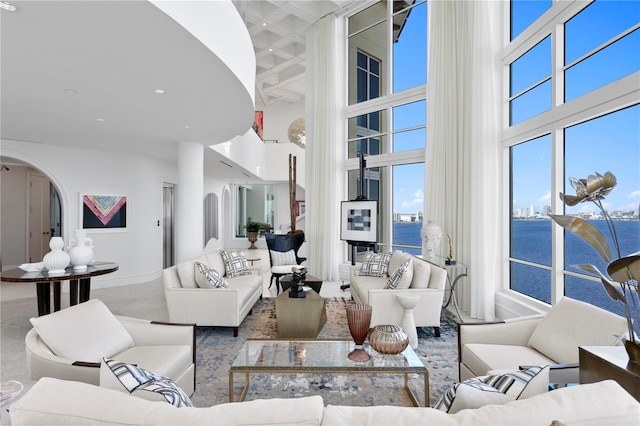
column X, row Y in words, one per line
column 223, row 307
column 551, row 339
column 58, row 402
column 422, row 279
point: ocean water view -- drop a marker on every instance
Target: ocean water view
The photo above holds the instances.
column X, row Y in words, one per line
column 532, row 243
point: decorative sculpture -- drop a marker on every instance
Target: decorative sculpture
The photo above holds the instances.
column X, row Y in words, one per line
column 296, row 290
column 450, row 260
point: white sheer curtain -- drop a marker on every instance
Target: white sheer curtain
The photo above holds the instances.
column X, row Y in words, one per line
column 323, row 173
column 462, row 183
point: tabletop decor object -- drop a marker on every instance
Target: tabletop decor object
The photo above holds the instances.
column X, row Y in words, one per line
column 431, row 236
column 359, row 319
column 80, row 250
column 621, row 278
column 297, row 290
column 56, row 260
column 450, row 260
column 388, row 339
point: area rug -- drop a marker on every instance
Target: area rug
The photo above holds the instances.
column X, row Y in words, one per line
column 217, row 349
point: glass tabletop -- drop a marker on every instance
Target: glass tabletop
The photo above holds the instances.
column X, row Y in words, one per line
column 320, row 355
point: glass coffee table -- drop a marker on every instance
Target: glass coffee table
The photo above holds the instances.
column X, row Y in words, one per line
column 322, row 356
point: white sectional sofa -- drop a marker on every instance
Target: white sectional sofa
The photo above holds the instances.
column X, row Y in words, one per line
column 58, row 402
column 422, row 279
column 223, row 307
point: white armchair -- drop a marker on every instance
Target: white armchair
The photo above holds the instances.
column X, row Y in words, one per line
column 69, row 345
column 552, row 339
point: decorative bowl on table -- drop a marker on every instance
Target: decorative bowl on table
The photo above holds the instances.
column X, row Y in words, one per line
column 388, row 339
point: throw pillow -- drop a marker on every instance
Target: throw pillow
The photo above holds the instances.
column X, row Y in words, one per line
column 235, row 263
column 279, row 258
column 186, row 275
column 396, row 277
column 494, row 389
column 375, row 264
column 84, row 332
column 471, row 393
column 135, row 379
column 207, row 277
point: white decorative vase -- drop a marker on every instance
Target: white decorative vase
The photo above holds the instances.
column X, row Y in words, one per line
column 431, row 237
column 56, row 260
column 80, row 250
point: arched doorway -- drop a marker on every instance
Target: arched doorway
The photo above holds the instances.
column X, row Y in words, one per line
column 32, row 212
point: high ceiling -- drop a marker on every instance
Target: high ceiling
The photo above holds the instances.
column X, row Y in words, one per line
column 278, row 30
column 84, row 74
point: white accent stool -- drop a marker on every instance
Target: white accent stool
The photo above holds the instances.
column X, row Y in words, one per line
column 407, row 323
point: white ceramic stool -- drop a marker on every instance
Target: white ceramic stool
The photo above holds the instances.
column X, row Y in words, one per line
column 408, row 324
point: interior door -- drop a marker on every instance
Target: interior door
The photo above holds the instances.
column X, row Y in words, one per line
column 38, row 211
column 168, row 211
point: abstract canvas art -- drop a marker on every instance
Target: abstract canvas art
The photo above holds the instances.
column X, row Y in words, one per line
column 359, row 221
column 104, row 212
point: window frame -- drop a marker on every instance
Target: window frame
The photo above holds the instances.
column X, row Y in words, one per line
column 615, row 96
column 385, row 104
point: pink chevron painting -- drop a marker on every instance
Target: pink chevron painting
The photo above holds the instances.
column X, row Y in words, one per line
column 104, row 211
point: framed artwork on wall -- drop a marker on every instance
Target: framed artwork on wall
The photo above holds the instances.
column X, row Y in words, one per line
column 359, row 221
column 258, row 124
column 103, row 212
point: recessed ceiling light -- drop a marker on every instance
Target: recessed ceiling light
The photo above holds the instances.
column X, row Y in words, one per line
column 70, row 91
column 264, row 24
column 159, row 91
column 100, row 120
column 187, row 127
column 7, row 6
column 270, row 50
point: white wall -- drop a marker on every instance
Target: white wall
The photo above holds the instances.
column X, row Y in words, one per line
column 278, row 118
column 138, row 251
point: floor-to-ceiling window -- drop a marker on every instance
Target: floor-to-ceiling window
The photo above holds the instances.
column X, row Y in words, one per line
column 386, row 115
column 573, row 82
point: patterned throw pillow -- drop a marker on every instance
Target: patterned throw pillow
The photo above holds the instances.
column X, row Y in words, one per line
column 280, row 258
column 134, row 379
column 494, row 389
column 235, row 263
column 375, row 264
column 207, row 277
column 397, row 275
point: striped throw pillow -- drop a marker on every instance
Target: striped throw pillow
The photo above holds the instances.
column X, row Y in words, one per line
column 494, row 389
column 135, row 379
column 280, row 258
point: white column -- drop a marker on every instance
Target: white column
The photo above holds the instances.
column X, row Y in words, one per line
column 190, row 201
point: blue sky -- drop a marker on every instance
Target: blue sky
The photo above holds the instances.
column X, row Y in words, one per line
column 608, row 143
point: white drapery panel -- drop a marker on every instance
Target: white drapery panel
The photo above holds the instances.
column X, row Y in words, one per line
column 323, row 175
column 462, row 183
